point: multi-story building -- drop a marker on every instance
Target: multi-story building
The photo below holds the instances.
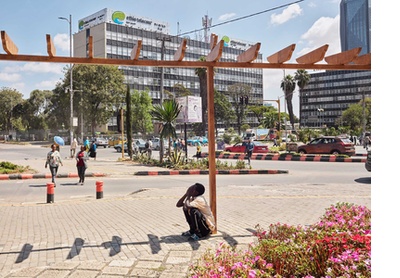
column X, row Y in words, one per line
column 329, row 93
column 115, row 33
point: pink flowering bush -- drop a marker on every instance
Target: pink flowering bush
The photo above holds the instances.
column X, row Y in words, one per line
column 339, row 245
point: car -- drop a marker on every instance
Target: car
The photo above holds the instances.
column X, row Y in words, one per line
column 241, row 147
column 101, row 142
column 368, row 161
column 197, row 139
column 136, row 149
column 328, row 145
column 140, row 143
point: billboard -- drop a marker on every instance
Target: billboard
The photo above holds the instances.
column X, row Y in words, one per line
column 191, row 111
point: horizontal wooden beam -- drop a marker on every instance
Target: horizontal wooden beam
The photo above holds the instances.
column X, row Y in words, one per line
column 313, row 56
column 135, row 53
column 283, row 55
column 216, row 52
column 8, row 45
column 51, row 50
column 363, row 59
column 250, row 54
column 343, row 58
column 177, row 64
column 180, row 53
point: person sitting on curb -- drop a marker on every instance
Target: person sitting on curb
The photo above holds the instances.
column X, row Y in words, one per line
column 197, row 212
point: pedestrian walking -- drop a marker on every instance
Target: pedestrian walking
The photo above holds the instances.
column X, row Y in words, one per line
column 74, row 145
column 81, row 164
column 93, row 150
column 249, row 149
column 87, row 144
column 197, row 213
column 53, row 159
column 149, row 148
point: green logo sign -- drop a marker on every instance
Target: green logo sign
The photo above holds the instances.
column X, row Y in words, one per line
column 118, row 17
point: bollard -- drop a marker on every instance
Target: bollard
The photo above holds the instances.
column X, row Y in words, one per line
column 99, row 189
column 50, row 192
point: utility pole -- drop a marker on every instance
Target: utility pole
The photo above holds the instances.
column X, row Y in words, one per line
column 71, row 90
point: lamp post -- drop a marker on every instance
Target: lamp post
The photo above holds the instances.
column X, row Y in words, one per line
column 321, row 116
column 71, row 91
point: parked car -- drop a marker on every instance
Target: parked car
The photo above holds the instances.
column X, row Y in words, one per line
column 136, row 148
column 197, row 139
column 328, row 145
column 240, row 147
column 368, row 161
column 101, row 142
column 115, row 140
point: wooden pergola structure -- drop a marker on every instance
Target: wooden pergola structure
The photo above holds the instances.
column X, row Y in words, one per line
column 348, row 60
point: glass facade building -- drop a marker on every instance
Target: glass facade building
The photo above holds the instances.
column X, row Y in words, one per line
column 116, row 39
column 355, row 25
column 329, row 93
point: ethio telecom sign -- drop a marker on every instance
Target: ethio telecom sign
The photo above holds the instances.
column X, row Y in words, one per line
column 118, row 17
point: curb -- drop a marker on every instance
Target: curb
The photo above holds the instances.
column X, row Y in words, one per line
column 289, row 157
column 205, row 172
column 46, row 176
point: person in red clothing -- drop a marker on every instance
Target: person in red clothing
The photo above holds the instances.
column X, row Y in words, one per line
column 81, row 164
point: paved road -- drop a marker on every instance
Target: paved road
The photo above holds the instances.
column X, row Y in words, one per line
column 138, row 235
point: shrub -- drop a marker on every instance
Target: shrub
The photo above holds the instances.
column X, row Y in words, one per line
column 339, row 245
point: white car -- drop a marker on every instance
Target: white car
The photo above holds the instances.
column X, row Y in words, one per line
column 101, row 142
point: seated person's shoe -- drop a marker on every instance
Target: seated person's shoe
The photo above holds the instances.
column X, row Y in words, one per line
column 194, row 237
column 187, row 233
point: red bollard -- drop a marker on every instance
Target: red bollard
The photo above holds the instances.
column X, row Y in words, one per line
column 99, row 189
column 50, row 192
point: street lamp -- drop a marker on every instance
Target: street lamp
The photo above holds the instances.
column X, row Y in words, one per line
column 71, row 91
column 321, row 117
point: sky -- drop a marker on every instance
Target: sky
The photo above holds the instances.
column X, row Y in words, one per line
column 276, row 24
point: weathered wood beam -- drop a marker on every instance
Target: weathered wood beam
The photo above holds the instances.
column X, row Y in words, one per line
column 170, row 63
column 250, row 54
column 216, row 52
column 8, row 45
column 343, row 58
column 180, row 53
column 51, row 50
column 90, row 47
column 313, row 56
column 283, row 55
column 363, row 59
column 135, row 52
column 213, row 41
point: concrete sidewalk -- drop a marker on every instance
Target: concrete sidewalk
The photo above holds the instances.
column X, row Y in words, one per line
column 140, row 235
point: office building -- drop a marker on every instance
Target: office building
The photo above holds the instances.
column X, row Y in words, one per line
column 115, row 33
column 329, row 93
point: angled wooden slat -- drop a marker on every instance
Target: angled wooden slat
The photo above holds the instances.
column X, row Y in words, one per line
column 250, row 54
column 213, row 41
column 313, row 56
column 282, row 55
column 135, row 53
column 343, row 58
column 51, row 50
column 363, row 59
column 180, row 53
column 216, row 52
column 8, row 45
column 90, row 47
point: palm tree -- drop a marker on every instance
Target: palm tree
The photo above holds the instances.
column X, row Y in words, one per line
column 202, row 74
column 303, row 78
column 166, row 113
column 288, row 85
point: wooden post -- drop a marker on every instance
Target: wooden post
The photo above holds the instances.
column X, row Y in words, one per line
column 211, row 143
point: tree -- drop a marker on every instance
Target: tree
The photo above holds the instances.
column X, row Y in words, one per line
column 237, row 91
column 9, row 99
column 353, row 116
column 100, row 89
column 166, row 114
column 288, row 86
column 223, row 110
column 202, row 74
column 141, row 112
column 35, row 110
column 258, row 111
column 303, row 78
column 128, row 101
